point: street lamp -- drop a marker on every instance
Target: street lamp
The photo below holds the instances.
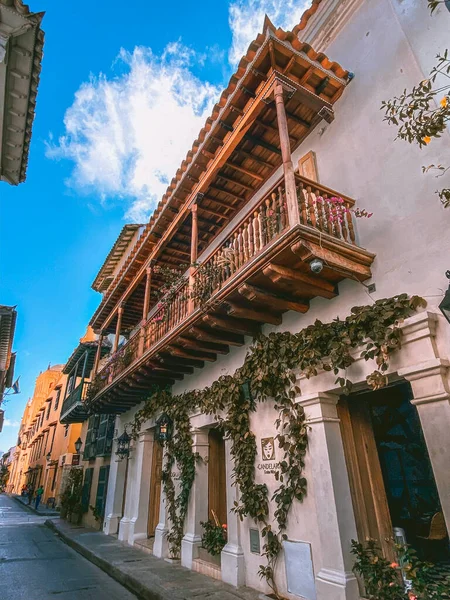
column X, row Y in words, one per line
column 164, row 428
column 78, row 445
column 445, row 304
column 123, row 445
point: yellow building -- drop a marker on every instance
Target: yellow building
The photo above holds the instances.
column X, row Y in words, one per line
column 46, row 447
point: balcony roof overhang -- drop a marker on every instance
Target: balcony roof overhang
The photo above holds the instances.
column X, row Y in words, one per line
column 91, row 348
column 21, row 50
column 104, row 276
column 235, row 153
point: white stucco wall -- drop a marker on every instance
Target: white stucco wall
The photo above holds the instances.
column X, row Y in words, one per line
column 388, row 45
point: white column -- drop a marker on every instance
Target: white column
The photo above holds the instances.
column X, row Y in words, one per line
column 130, row 485
column 161, row 545
column 140, row 488
column 114, row 498
column 335, row 517
column 198, row 501
column 430, row 386
column 232, row 557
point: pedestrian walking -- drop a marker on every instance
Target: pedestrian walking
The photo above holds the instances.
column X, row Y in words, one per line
column 30, row 493
column 39, row 493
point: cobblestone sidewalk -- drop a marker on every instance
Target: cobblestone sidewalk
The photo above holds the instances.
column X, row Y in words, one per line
column 148, row 577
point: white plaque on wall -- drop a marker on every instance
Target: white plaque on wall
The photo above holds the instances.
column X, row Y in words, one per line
column 299, row 569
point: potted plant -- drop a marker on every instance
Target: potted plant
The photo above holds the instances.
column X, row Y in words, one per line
column 214, row 539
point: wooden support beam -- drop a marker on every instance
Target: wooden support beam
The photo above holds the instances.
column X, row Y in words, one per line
column 213, row 212
column 177, row 351
column 190, row 343
column 98, row 354
column 176, row 366
column 169, row 359
column 259, row 142
column 231, row 324
column 217, row 188
column 231, row 339
column 288, row 168
column 314, row 285
column 275, row 130
column 118, row 326
column 257, row 160
column 208, row 154
column 148, row 283
column 298, row 120
column 264, row 297
column 236, row 310
column 245, row 171
column 220, row 203
column 235, row 182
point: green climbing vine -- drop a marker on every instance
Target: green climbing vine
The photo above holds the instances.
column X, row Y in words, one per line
column 270, row 371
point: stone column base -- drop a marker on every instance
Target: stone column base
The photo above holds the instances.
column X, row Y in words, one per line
column 124, row 529
column 111, row 524
column 233, row 565
column 336, row 585
column 161, row 545
column 189, row 549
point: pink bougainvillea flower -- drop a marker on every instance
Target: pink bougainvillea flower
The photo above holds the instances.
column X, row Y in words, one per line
column 394, row 565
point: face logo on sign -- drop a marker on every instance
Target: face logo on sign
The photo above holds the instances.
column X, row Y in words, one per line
column 268, row 448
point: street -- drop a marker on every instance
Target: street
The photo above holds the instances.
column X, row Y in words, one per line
column 36, row 564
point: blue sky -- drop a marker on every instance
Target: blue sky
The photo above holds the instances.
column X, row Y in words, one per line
column 124, row 91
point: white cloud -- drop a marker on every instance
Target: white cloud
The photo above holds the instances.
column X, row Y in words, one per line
column 246, row 18
column 9, row 423
column 127, row 136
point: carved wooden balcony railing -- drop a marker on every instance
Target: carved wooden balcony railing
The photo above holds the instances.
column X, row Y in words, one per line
column 258, row 272
column 74, row 409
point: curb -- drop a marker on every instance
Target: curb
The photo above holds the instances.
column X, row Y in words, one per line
column 130, row 583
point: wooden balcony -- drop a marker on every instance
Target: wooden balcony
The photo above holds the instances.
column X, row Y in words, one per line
column 259, row 271
column 74, row 409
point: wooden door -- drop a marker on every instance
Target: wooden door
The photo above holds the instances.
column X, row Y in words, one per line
column 217, row 490
column 155, row 488
column 373, row 520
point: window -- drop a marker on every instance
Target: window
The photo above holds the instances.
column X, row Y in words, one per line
column 90, row 447
column 102, row 489
column 55, row 471
column 105, row 435
column 53, row 438
column 42, row 418
column 58, row 394
column 66, row 430
column 86, row 491
column 49, row 407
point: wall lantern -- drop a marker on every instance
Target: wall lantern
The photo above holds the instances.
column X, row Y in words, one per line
column 164, row 428
column 445, row 304
column 123, row 445
column 48, row 458
column 78, row 445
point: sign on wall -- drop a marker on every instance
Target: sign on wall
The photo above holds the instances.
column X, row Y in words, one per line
column 268, row 466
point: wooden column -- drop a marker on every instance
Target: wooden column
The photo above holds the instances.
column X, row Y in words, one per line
column 98, row 354
column 194, row 250
column 288, row 168
column 118, row 326
column 148, row 284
